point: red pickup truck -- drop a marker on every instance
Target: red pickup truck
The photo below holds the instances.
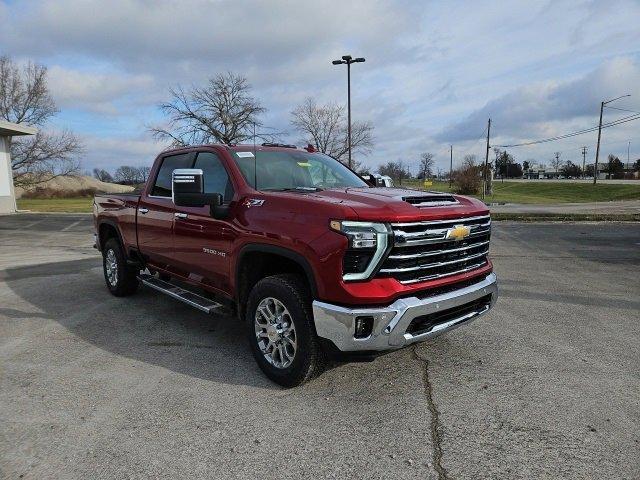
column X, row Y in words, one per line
column 314, row 262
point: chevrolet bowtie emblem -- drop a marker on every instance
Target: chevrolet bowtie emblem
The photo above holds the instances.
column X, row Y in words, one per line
column 459, row 232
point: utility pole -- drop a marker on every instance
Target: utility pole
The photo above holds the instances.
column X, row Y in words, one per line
column 451, row 166
column 595, row 166
column 628, row 148
column 486, row 163
column 602, row 104
column 348, row 60
column 584, row 157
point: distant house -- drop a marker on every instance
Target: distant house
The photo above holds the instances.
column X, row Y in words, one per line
column 7, row 191
column 539, row 171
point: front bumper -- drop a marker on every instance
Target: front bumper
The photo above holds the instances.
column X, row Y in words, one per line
column 392, row 325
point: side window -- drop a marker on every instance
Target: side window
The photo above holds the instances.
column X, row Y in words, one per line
column 162, row 186
column 216, row 179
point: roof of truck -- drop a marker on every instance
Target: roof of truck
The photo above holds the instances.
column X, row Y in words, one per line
column 241, row 147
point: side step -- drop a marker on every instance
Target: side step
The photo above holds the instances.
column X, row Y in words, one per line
column 193, row 299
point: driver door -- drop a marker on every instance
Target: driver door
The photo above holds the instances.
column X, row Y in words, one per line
column 155, row 213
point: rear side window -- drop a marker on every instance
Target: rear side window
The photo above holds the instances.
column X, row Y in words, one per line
column 162, row 186
column 216, row 179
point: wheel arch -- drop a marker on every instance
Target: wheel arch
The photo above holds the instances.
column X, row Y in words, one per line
column 108, row 229
column 256, row 261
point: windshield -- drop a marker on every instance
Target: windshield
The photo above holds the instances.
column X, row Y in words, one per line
column 294, row 170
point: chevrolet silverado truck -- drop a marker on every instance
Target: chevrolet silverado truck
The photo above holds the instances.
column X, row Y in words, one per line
column 313, row 261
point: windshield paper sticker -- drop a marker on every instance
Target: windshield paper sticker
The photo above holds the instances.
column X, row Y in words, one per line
column 304, row 164
column 245, row 154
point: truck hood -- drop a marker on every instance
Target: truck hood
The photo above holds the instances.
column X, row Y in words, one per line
column 400, row 204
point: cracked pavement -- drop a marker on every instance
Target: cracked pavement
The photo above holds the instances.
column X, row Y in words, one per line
column 545, row 386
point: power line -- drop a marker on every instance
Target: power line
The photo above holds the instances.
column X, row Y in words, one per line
column 621, row 109
column 573, row 134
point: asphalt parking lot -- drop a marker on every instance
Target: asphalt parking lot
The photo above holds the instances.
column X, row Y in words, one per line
column 545, row 386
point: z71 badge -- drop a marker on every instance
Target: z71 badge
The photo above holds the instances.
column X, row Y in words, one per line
column 253, row 202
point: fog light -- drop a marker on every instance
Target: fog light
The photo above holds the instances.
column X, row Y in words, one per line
column 364, row 326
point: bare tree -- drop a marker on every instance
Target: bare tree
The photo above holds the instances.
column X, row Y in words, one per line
column 396, row 170
column 144, row 173
column 127, row 175
column 469, row 161
column 44, row 156
column 25, row 99
column 325, row 127
column 467, row 178
column 102, row 175
column 426, row 165
column 571, row 170
column 223, row 111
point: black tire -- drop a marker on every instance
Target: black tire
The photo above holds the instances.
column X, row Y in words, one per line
column 126, row 281
column 309, row 360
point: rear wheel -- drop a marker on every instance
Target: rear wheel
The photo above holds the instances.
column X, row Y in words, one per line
column 281, row 330
column 121, row 278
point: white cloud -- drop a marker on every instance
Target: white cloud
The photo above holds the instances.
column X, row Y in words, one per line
column 529, row 111
column 434, row 70
column 95, row 92
column 184, row 36
column 111, row 152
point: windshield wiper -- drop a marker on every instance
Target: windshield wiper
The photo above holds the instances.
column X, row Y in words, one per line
column 294, row 189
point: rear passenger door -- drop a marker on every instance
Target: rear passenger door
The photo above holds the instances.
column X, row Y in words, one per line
column 201, row 242
column 156, row 210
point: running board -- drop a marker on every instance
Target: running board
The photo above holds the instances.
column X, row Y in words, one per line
column 193, row 299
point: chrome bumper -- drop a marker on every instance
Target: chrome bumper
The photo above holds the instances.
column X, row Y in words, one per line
column 390, row 323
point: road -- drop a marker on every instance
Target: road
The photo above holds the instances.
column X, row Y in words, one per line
column 626, row 207
column 603, row 181
column 545, row 386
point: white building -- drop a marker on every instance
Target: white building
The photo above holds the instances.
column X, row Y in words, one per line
column 7, row 193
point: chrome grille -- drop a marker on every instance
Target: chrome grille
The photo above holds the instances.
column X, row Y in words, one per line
column 421, row 250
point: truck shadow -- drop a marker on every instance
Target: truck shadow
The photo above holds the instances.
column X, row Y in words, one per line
column 145, row 327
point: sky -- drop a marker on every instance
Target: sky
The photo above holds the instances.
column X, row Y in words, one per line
column 434, row 71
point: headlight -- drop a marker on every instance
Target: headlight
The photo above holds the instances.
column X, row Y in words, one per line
column 367, row 243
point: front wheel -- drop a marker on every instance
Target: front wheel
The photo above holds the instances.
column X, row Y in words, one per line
column 281, row 330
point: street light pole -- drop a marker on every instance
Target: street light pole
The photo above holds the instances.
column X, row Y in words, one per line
column 602, row 104
column 349, row 111
column 348, row 60
column 451, row 168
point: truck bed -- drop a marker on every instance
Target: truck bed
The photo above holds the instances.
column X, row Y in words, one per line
column 119, row 209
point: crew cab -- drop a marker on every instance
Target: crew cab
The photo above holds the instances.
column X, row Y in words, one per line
column 313, row 261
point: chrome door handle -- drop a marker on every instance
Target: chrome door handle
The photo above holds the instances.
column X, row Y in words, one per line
column 180, row 215
column 143, row 210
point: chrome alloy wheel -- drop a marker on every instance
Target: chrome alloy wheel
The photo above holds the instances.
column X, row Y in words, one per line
column 275, row 332
column 111, row 266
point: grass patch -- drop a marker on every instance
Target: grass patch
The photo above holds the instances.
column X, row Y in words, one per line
column 565, row 217
column 547, row 192
column 70, row 205
column 508, row 192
